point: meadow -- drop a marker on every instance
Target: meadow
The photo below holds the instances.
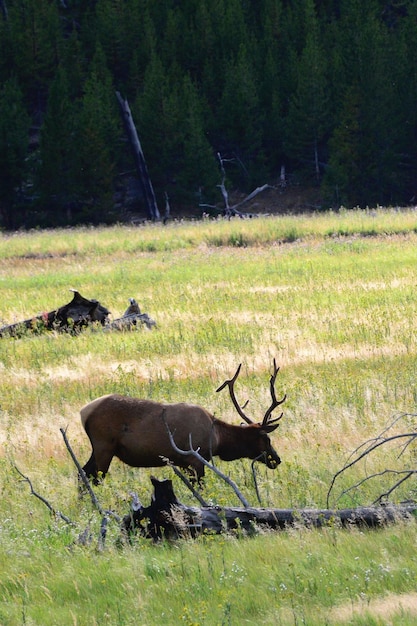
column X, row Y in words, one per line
column 332, row 297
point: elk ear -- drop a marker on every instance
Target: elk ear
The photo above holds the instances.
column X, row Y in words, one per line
column 265, row 430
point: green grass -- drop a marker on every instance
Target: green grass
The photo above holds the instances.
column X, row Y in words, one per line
column 299, row 577
column 86, row 243
column 332, row 297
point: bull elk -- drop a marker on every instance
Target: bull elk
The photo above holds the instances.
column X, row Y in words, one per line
column 136, row 431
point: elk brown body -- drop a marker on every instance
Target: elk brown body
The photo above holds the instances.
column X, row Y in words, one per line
column 137, row 431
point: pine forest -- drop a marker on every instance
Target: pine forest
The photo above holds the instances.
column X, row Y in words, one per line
column 324, row 90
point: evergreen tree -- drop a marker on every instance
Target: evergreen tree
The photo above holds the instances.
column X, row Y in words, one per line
column 274, row 81
column 117, row 36
column 7, row 66
column 370, row 69
column 74, row 66
column 233, row 29
column 404, row 80
column 209, row 57
column 58, row 159
column 240, row 121
column 347, row 163
column 170, row 48
column 142, row 48
column 14, row 139
column 199, row 45
column 36, row 41
column 170, row 121
column 198, row 173
column 156, row 128
column 96, row 138
column 307, row 121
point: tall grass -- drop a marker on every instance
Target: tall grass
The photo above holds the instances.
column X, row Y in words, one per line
column 302, row 578
column 335, row 307
column 89, row 242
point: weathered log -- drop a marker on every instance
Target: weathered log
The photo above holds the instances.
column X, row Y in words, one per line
column 129, row 322
column 130, row 319
column 167, row 517
column 73, row 316
column 77, row 314
column 280, row 519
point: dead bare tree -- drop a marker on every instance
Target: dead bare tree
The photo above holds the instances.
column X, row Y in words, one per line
column 222, row 185
column 142, row 169
column 402, row 439
column 187, row 483
column 230, row 211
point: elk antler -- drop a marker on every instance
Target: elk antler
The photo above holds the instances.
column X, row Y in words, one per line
column 266, row 421
column 230, row 383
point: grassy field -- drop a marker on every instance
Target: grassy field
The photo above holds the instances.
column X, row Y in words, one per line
column 332, row 298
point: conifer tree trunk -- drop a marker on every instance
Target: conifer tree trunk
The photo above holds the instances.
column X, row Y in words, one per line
column 145, row 181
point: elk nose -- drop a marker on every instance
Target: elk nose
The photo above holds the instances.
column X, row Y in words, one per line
column 272, row 461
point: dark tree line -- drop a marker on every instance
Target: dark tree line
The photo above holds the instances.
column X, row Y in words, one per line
column 327, row 88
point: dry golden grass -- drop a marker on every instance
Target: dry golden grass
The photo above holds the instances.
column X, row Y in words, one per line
column 387, row 609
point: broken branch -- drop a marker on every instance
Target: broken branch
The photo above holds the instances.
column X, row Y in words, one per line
column 86, row 482
column 200, row 458
column 44, row 500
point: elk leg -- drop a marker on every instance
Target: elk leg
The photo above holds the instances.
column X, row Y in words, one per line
column 90, row 469
column 98, row 464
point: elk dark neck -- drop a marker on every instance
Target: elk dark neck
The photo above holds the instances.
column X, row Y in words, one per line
column 233, row 442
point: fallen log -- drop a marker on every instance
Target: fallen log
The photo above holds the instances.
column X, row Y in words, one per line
column 72, row 317
column 78, row 314
column 130, row 319
column 167, row 517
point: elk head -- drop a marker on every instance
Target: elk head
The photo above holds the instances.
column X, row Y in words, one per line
column 267, row 454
